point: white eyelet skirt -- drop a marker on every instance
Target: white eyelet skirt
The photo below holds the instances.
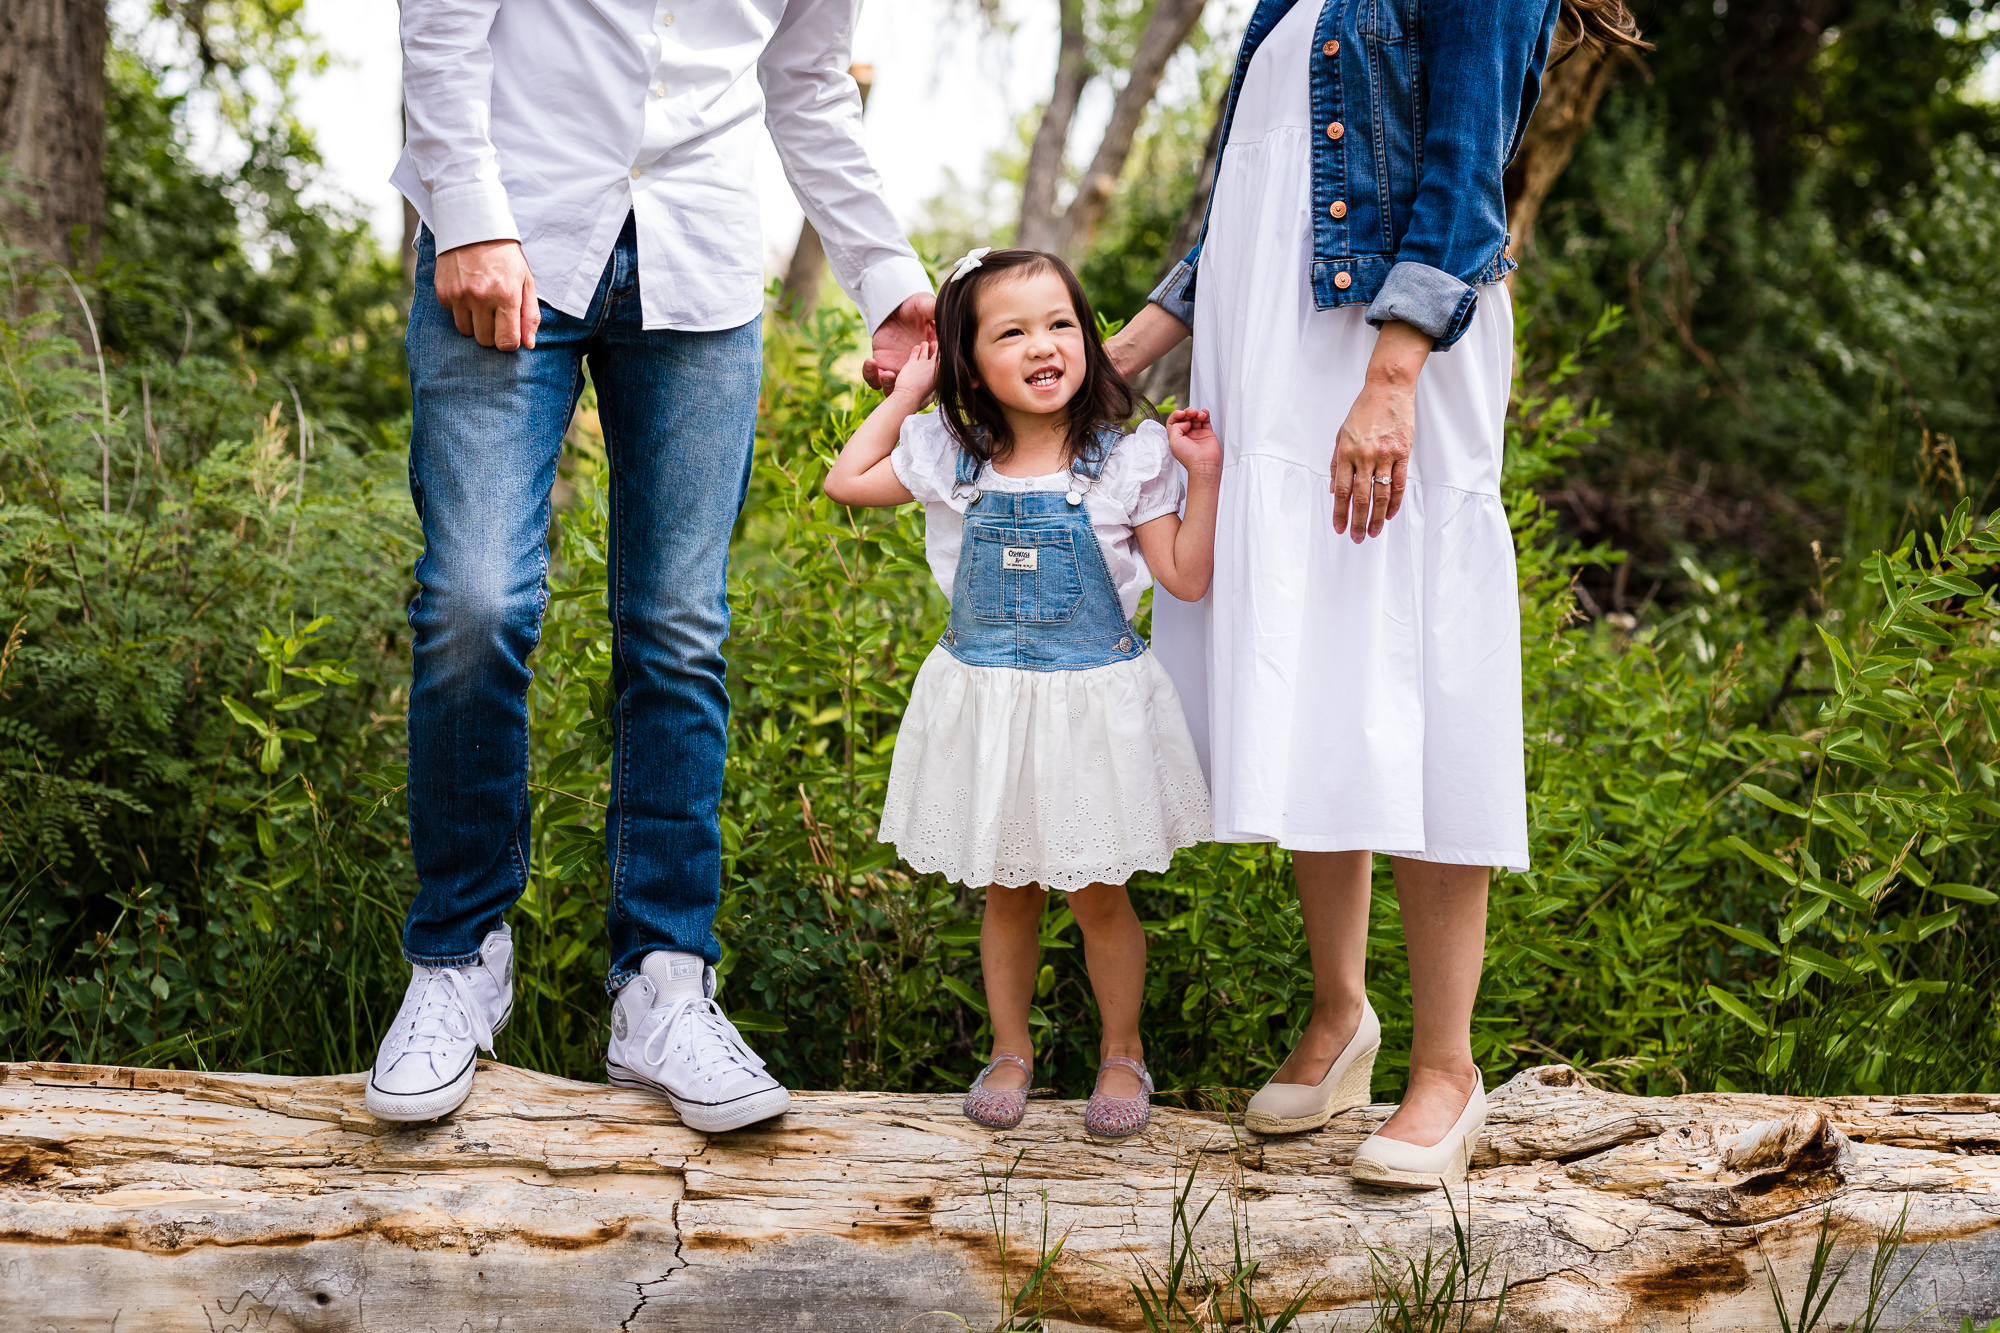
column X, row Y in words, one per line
column 1057, row 778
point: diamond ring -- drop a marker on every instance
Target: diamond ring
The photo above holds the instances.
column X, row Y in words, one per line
column 1385, row 481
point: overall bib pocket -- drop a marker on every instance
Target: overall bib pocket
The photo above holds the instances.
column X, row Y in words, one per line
column 1022, row 575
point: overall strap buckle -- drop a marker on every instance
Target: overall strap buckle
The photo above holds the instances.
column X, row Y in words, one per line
column 965, row 479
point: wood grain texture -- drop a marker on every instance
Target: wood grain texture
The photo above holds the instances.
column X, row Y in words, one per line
column 162, row 1200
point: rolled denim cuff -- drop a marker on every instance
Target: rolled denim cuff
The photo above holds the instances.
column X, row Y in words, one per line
column 1426, row 298
column 1175, row 294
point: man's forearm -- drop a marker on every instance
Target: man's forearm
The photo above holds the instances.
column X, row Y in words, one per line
column 447, row 106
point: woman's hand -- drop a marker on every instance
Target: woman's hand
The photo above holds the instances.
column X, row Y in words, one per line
column 1371, row 455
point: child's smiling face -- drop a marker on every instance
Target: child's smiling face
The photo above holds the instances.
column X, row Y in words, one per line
column 1029, row 347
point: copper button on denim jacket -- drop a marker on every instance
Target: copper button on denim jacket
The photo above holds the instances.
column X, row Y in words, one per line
column 1423, row 102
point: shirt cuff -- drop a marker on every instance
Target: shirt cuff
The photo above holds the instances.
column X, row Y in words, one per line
column 476, row 211
column 1175, row 294
column 1428, row 299
column 890, row 283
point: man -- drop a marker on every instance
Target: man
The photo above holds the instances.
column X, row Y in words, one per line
column 584, row 172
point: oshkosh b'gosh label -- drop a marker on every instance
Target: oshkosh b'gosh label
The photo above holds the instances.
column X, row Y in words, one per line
column 1017, row 557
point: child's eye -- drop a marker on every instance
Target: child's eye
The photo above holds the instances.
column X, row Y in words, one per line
column 1064, row 324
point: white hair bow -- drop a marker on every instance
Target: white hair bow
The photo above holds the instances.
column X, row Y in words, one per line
column 968, row 262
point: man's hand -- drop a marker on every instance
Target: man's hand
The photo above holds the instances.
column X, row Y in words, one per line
column 490, row 293
column 895, row 337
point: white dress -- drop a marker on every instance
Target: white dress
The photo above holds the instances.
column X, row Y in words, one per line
column 1057, row 778
column 1343, row 697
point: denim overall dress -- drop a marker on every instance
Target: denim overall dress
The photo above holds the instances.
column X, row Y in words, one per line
column 1043, row 742
column 1032, row 590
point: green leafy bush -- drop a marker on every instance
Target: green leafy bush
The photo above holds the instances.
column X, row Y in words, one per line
column 1760, row 846
column 182, row 859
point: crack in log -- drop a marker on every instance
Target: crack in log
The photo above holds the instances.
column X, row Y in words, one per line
column 625, row 1325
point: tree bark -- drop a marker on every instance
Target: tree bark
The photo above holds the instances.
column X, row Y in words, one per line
column 166, row 1201
column 1168, row 28
column 1039, row 227
column 1570, row 96
column 806, row 274
column 1170, row 378
column 52, row 127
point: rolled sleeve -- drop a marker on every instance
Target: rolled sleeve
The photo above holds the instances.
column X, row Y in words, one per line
column 1426, row 298
column 478, row 211
column 1175, row 294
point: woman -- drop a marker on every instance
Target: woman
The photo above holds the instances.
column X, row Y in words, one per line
column 1354, row 673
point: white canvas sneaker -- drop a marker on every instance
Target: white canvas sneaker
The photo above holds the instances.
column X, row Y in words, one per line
column 668, row 1034
column 449, row 1015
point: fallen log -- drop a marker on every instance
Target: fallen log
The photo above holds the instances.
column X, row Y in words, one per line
column 167, row 1200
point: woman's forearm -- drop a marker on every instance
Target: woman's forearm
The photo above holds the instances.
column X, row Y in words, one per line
column 1400, row 352
column 1147, row 337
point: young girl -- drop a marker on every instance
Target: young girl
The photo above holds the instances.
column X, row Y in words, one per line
column 1044, row 748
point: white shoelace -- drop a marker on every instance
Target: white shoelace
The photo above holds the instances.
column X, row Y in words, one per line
column 714, row 1035
column 450, row 1012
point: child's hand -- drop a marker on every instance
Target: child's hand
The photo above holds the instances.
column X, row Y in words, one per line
column 918, row 376
column 1193, row 440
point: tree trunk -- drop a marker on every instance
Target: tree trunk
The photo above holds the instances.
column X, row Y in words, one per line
column 1039, row 227
column 1169, row 27
column 52, row 127
column 164, row 1201
column 1570, row 94
column 798, row 296
column 1170, row 378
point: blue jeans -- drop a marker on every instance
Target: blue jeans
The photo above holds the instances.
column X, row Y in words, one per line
column 679, row 413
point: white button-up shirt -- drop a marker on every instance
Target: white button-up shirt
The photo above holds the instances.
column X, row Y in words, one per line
column 548, row 121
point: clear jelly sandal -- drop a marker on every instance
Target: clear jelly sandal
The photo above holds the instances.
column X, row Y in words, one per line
column 1120, row 1117
column 997, row 1108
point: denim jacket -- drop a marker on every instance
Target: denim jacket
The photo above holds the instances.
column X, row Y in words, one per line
column 1422, row 104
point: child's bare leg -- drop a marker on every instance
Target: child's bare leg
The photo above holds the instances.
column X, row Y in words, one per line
column 1114, row 949
column 1010, row 952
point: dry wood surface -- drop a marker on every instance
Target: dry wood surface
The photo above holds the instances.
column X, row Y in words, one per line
column 140, row 1200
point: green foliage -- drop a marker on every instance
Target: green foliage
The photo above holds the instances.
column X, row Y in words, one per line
column 1195, row 1294
column 1810, row 376
column 186, row 877
column 237, row 266
column 1439, row 1292
column 1821, row 1286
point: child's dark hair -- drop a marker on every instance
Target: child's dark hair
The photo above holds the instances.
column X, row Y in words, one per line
column 970, row 413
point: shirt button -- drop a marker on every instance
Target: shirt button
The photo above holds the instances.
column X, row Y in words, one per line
column 635, row 173
column 1343, row 280
column 666, row 20
column 659, row 90
column 1335, row 130
column 1330, row 48
column 1338, row 208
